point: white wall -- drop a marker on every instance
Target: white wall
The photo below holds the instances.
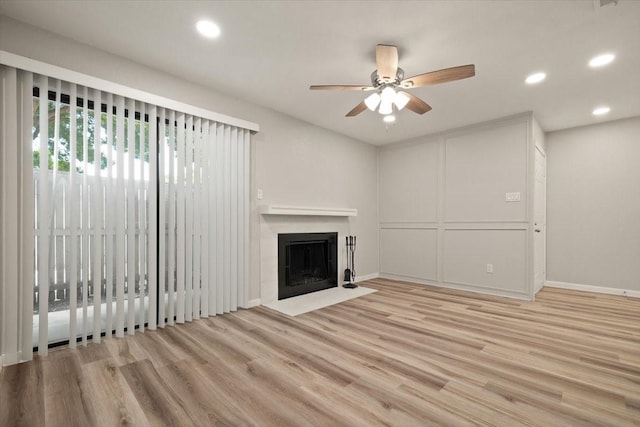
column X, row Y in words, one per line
column 593, row 205
column 443, row 215
column 294, row 163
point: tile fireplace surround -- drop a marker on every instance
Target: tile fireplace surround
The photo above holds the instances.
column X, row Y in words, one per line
column 286, row 219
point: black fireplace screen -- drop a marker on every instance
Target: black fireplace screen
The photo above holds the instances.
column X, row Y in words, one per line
column 307, row 262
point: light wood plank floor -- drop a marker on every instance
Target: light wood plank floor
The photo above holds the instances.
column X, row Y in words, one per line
column 406, row 355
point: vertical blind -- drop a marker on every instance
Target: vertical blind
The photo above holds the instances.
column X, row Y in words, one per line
column 130, row 215
column 16, row 216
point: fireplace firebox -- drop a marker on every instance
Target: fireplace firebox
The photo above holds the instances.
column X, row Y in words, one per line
column 307, row 262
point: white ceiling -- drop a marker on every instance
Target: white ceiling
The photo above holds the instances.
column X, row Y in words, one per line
column 270, row 52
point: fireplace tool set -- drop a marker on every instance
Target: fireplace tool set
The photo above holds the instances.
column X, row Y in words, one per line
column 350, row 271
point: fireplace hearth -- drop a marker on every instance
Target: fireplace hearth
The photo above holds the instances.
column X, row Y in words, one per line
column 307, row 262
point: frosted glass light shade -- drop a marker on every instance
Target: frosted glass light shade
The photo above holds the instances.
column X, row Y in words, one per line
column 386, row 108
column 372, row 101
column 388, row 95
column 401, row 100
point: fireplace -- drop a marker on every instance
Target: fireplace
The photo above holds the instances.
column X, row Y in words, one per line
column 307, row 262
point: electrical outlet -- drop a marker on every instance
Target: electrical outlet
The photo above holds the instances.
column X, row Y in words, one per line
column 260, row 194
column 489, row 268
column 512, row 197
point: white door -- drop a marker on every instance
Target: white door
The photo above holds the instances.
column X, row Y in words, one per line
column 540, row 220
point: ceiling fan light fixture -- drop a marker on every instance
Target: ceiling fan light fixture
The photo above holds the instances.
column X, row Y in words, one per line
column 388, row 78
column 401, row 100
column 390, row 118
column 388, row 95
column 385, row 108
column 372, row 101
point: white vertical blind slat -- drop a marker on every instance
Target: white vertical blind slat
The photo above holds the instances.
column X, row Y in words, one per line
column 85, row 230
column 241, row 208
column 204, row 221
column 247, row 204
column 172, row 162
column 153, row 223
column 233, row 228
column 227, row 219
column 9, row 217
column 120, row 217
column 188, row 219
column 27, row 215
column 43, row 220
column 180, row 222
column 211, row 219
column 110, row 220
column 195, row 207
column 131, row 218
column 162, row 216
column 142, row 230
column 98, row 215
column 219, row 238
column 72, row 200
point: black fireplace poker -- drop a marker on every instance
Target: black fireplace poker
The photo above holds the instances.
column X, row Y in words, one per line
column 350, row 271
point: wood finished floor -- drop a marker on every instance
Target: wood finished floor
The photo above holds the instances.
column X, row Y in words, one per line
column 406, row 355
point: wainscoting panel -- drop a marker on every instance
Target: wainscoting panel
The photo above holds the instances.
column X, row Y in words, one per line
column 409, row 252
column 467, row 254
column 409, row 183
column 480, row 168
column 444, row 213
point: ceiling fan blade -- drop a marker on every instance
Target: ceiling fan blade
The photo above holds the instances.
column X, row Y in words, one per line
column 440, row 76
column 417, row 105
column 340, row 87
column 357, row 110
column 387, row 62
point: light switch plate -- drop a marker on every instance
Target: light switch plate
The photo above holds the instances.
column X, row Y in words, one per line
column 512, row 197
column 260, row 194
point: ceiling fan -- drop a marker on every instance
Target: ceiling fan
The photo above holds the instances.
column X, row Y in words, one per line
column 388, row 78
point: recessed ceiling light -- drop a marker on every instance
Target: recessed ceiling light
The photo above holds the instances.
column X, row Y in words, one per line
column 208, row 29
column 599, row 111
column 389, row 119
column 535, row 78
column 601, row 60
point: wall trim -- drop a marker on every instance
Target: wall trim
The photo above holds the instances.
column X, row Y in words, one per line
column 367, row 277
column 590, row 288
column 459, row 286
column 11, row 358
column 397, row 226
column 253, row 303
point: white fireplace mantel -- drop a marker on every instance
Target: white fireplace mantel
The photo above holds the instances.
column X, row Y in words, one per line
column 306, row 210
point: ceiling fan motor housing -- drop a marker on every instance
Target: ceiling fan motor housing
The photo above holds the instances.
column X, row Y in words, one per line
column 380, row 83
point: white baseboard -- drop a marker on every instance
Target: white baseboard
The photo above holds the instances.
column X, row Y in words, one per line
column 253, row 303
column 590, row 288
column 367, row 277
column 458, row 286
column 10, row 358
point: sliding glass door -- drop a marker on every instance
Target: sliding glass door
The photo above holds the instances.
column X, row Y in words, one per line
column 91, row 163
